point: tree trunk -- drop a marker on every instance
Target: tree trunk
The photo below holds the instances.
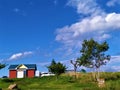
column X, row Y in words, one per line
column 98, row 74
column 94, row 74
column 75, row 69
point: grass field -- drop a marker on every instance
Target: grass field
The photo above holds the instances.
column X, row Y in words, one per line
column 64, row 82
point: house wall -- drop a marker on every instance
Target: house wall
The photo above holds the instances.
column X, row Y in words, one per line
column 31, row 73
column 20, row 74
column 12, row 73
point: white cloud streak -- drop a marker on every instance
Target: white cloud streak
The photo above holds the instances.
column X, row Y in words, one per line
column 20, row 55
column 112, row 3
column 113, row 64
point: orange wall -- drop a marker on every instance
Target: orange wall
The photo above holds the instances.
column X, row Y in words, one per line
column 31, row 73
column 12, row 74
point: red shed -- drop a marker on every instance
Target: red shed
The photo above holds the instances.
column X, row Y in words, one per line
column 22, row 70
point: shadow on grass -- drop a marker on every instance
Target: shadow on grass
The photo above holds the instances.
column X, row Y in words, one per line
column 7, row 80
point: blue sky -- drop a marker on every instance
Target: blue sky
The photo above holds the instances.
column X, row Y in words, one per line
column 36, row 31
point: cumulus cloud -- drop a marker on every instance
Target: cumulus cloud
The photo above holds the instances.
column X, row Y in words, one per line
column 20, row 55
column 98, row 24
column 86, row 7
column 97, row 27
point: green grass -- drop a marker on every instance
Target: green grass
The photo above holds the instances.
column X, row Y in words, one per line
column 64, row 82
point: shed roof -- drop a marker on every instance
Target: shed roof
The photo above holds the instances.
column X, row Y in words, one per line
column 29, row 66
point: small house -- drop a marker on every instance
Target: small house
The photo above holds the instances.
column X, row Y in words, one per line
column 22, row 70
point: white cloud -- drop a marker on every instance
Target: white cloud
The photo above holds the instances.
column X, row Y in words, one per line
column 27, row 53
column 93, row 25
column 113, row 64
column 15, row 56
column 86, row 7
column 111, row 3
column 20, row 55
column 114, row 59
column 97, row 27
column 116, row 68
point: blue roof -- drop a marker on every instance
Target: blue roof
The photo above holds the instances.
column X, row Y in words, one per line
column 12, row 67
column 29, row 66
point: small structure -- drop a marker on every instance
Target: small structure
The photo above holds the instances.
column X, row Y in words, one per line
column 22, row 70
column 37, row 74
column 47, row 74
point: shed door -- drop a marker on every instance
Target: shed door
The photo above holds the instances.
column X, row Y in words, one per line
column 20, row 74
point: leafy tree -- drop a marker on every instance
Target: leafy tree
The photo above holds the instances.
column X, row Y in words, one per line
column 56, row 68
column 52, row 66
column 93, row 55
column 2, row 66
